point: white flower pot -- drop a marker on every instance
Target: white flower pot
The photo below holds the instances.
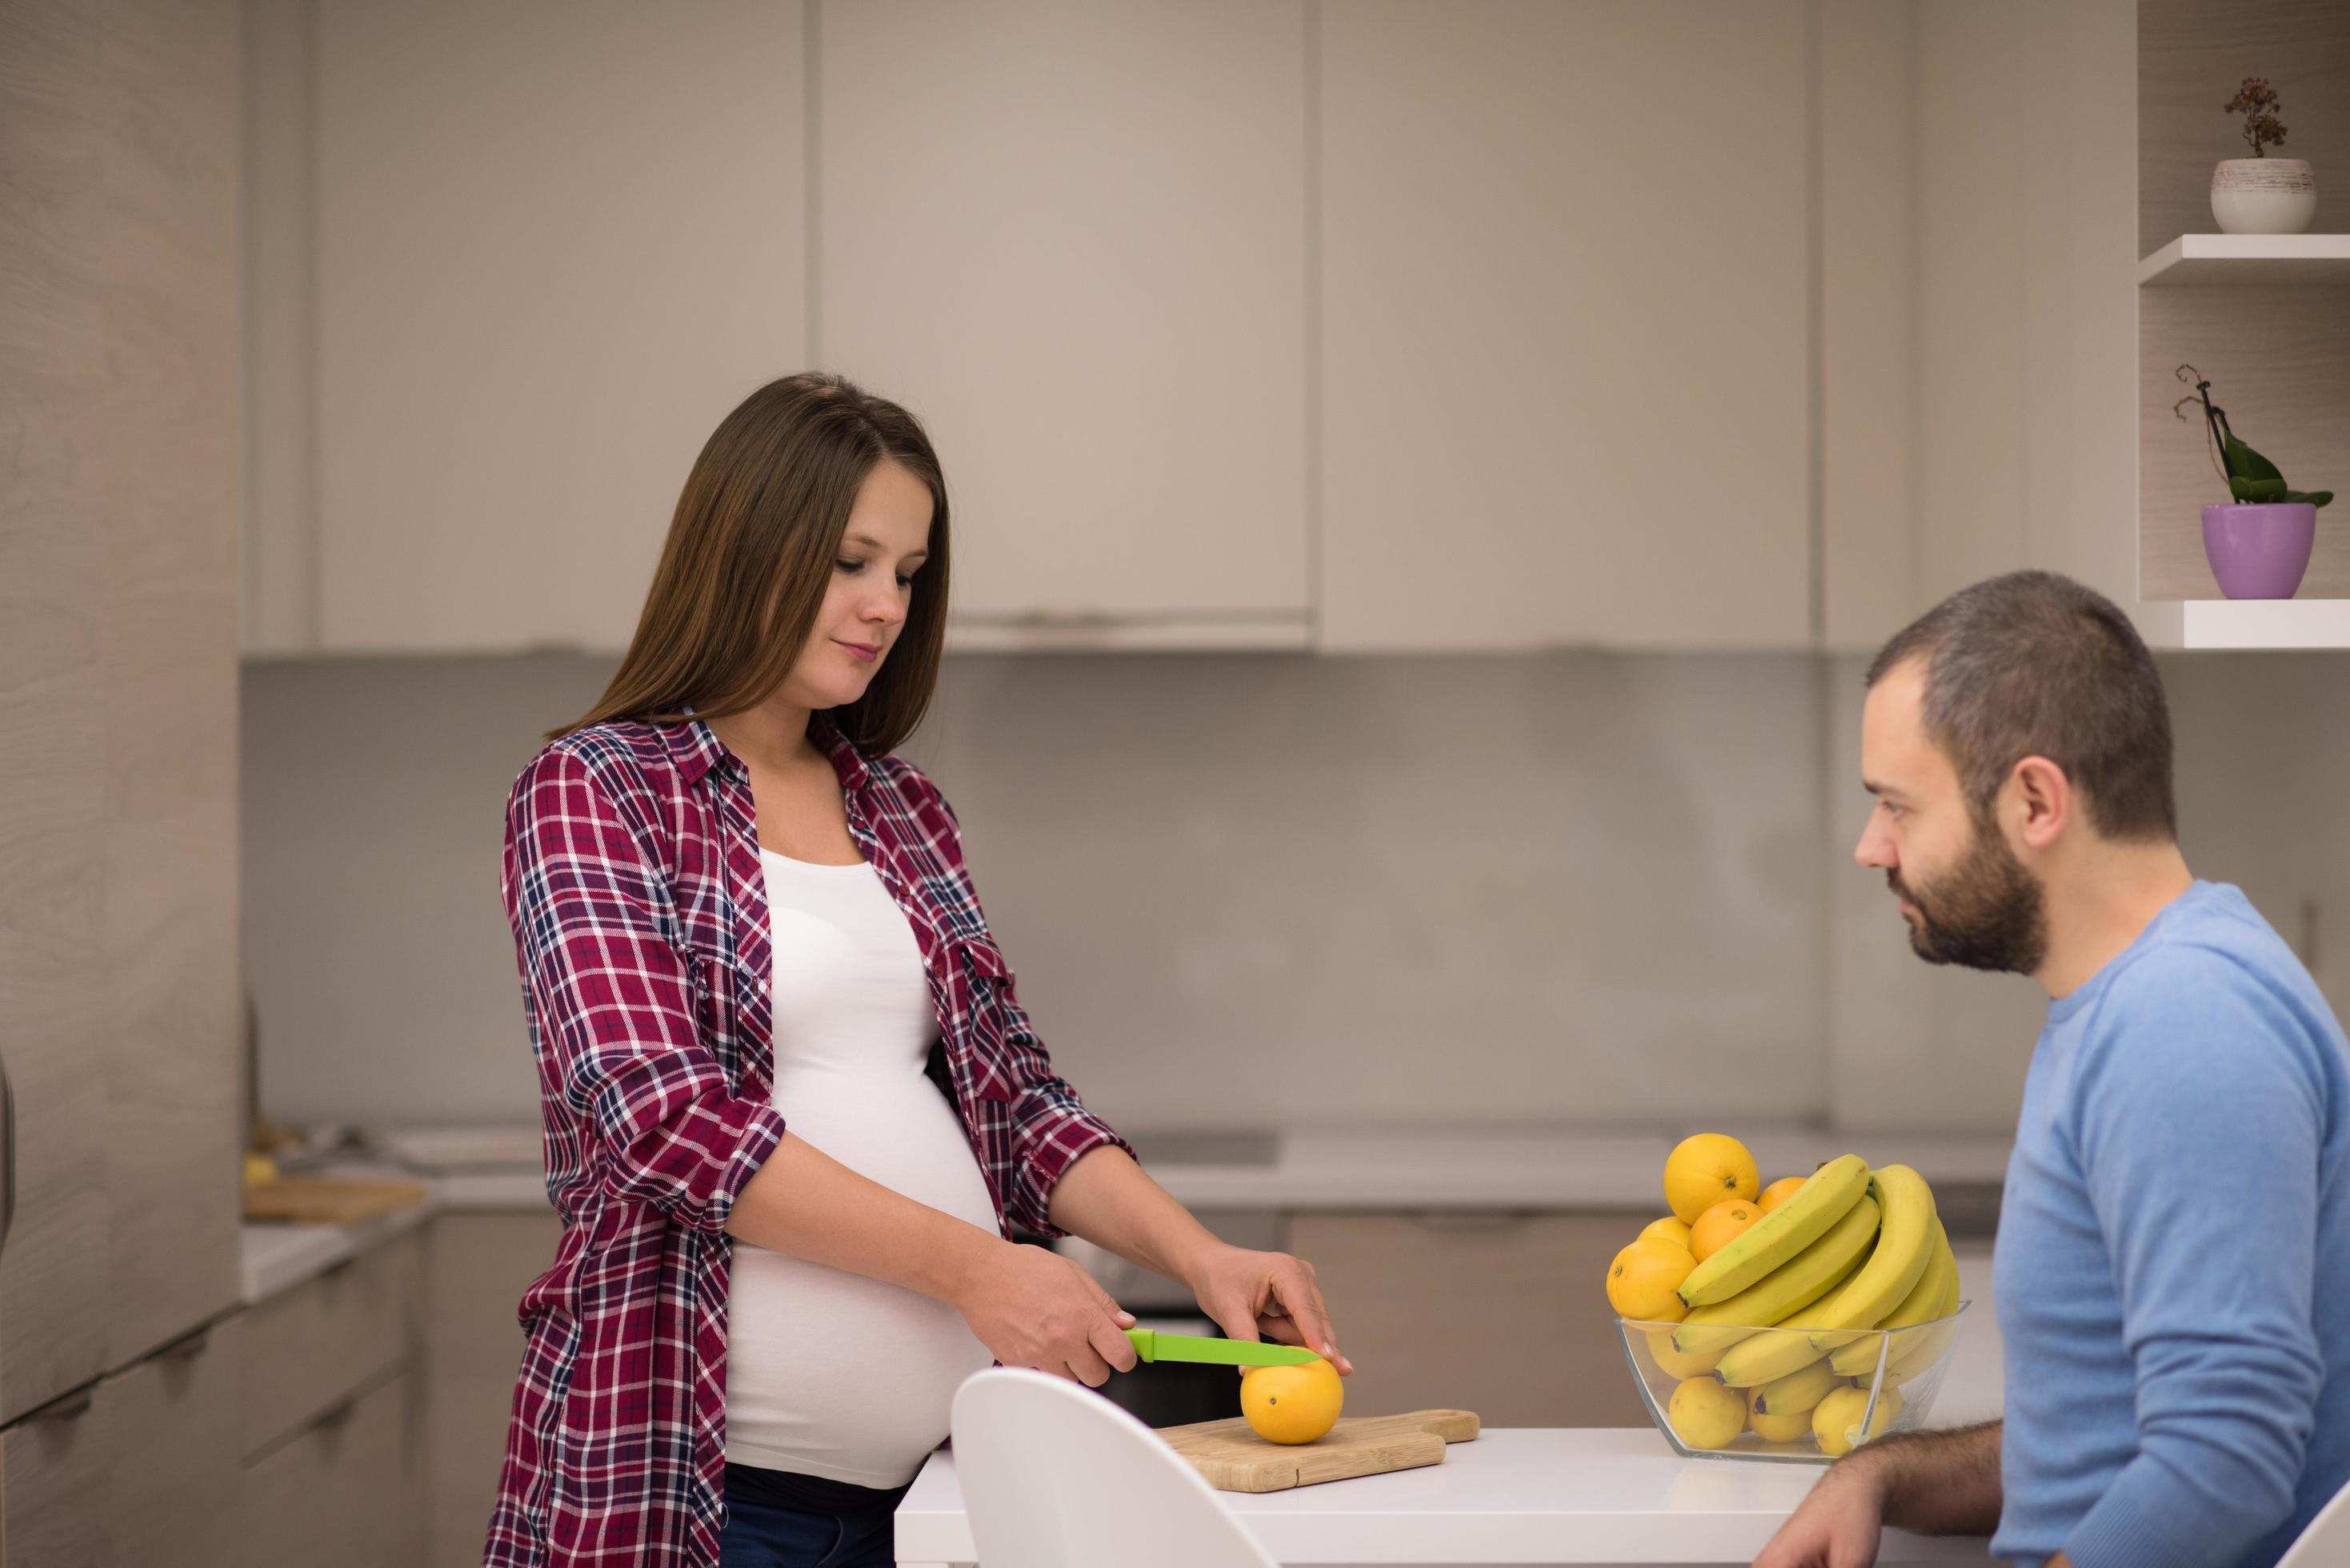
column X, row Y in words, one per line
column 2263, row 195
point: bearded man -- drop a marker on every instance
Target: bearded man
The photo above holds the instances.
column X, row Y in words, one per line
column 2172, row 1272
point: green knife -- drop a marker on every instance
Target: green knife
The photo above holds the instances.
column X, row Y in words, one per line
column 1154, row 1346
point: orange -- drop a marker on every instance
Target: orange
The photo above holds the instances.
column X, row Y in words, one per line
column 1644, row 1282
column 1719, row 1223
column 1779, row 1192
column 1291, row 1404
column 1676, row 1363
column 1668, row 1228
column 1704, row 1170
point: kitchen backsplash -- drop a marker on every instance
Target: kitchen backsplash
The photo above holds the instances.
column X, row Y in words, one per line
column 1276, row 890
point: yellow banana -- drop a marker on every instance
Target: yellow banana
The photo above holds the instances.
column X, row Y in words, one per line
column 1923, row 1302
column 1774, row 1353
column 1929, row 1342
column 1815, row 1271
column 1807, row 1214
column 1904, row 1247
column 1797, row 1391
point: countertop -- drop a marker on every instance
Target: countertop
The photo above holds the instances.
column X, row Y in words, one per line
column 1329, row 1168
column 1515, row 1495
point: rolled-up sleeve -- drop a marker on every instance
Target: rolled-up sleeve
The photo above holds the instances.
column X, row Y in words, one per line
column 613, row 1002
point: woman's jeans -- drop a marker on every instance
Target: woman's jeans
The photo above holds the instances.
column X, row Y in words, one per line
column 779, row 1521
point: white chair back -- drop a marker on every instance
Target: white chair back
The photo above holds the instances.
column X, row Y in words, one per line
column 1055, row 1476
column 2326, row 1544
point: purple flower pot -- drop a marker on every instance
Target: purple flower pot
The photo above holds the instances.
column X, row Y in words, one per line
column 2259, row 552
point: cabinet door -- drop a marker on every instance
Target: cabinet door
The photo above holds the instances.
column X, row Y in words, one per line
column 477, row 1265
column 344, row 1490
column 118, row 959
column 172, row 1477
column 1563, row 344
column 53, row 1479
column 173, row 1025
column 1500, row 1314
column 1071, row 237
column 556, row 240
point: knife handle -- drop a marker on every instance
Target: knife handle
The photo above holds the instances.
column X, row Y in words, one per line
column 1145, row 1346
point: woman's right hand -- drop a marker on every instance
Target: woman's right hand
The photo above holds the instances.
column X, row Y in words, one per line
column 1034, row 1308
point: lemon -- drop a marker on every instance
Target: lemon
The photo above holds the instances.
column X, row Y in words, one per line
column 1778, row 1192
column 1291, row 1404
column 1644, row 1282
column 1668, row 1228
column 1836, row 1421
column 1674, row 1361
column 1705, row 1414
column 1776, row 1429
column 1704, row 1170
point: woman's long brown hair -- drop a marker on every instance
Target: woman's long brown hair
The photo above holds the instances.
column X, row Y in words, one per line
column 750, row 554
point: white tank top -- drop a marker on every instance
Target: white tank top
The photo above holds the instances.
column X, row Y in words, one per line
column 827, row 1373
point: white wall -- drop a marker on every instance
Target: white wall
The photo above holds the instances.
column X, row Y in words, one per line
column 1252, row 889
column 1268, row 890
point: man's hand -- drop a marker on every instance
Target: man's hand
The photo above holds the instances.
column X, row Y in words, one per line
column 1839, row 1526
column 1939, row 1483
column 1268, row 1296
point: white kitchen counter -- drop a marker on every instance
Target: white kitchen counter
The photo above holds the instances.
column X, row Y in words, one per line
column 1337, row 1168
column 1515, row 1495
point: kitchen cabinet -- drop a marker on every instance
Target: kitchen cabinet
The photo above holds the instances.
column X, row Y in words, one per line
column 1564, row 341
column 1073, row 238
column 479, row 1265
column 1501, row 1313
column 554, row 244
column 344, row 1488
column 330, row 1418
column 172, row 1478
column 52, row 1484
column 118, row 202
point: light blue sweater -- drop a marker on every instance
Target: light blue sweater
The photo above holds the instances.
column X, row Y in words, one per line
column 2173, row 1266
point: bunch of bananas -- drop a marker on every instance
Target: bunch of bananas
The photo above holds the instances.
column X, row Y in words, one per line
column 1794, row 1306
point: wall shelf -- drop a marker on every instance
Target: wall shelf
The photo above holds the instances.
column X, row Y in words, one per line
column 2265, row 623
column 2236, row 259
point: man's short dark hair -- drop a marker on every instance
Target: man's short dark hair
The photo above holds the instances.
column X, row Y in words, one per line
column 2034, row 664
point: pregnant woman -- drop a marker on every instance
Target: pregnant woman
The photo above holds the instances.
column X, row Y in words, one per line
column 793, row 1106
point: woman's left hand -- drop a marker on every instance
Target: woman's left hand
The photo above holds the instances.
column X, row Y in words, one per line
column 1267, row 1295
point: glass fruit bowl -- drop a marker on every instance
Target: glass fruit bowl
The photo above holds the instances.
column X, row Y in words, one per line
column 1791, row 1395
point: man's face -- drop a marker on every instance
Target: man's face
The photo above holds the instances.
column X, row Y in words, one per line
column 1967, row 899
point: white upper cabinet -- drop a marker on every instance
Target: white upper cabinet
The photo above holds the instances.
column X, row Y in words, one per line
column 1072, row 237
column 556, row 242
column 1564, row 351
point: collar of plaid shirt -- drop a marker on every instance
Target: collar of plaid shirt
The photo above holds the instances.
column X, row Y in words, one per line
column 632, row 881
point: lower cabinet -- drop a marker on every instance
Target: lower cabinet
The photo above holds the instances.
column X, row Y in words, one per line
column 1504, row 1315
column 330, row 1418
column 52, row 1484
column 345, row 1489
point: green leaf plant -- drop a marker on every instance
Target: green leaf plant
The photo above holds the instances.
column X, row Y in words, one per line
column 2252, row 479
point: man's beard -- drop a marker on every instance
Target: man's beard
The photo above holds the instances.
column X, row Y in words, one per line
column 1985, row 912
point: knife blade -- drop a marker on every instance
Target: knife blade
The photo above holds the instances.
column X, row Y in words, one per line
column 1153, row 1346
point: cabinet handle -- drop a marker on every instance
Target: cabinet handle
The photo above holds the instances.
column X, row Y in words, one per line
column 1061, row 620
column 72, row 1407
column 8, row 1155
column 336, row 1415
column 187, row 1349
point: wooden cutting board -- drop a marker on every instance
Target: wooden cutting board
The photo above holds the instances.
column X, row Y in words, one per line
column 1234, row 1459
column 320, row 1201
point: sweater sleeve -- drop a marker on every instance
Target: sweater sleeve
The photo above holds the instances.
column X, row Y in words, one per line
column 2200, row 1114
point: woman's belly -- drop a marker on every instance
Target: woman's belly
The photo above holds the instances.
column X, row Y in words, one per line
column 828, row 1373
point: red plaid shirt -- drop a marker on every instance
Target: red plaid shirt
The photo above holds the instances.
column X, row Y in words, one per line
column 631, row 876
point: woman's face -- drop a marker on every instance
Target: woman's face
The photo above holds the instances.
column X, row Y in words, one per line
column 887, row 540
